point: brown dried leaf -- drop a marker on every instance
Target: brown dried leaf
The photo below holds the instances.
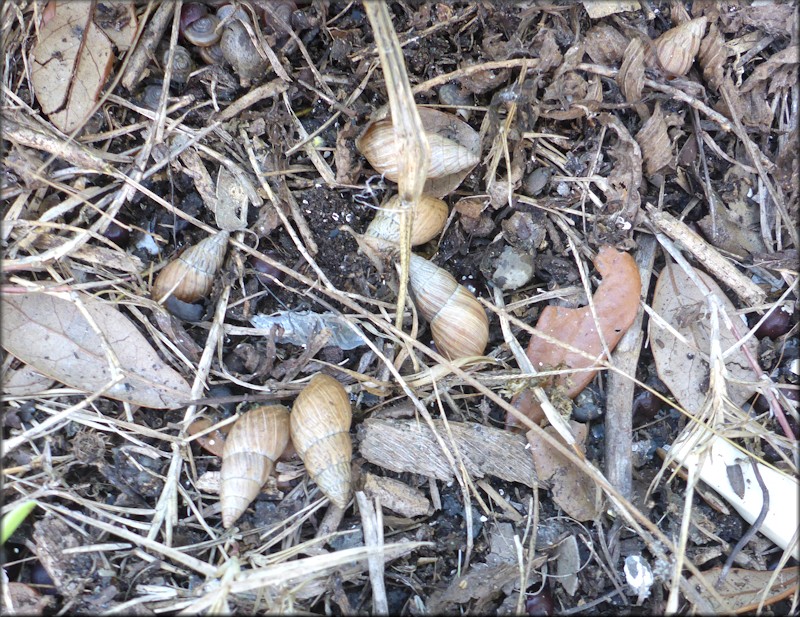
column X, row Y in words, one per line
column 616, row 302
column 744, row 589
column 655, row 143
column 596, row 10
column 54, row 337
column 25, row 600
column 785, row 60
column 631, row 73
column 685, row 368
column 397, row 496
column 71, row 62
column 622, row 195
column 605, row 44
column 572, row 489
column 712, row 57
column 118, row 21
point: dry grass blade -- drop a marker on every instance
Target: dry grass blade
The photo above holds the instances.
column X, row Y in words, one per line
column 410, row 136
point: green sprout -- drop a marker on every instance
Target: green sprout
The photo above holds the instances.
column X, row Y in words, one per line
column 14, row 519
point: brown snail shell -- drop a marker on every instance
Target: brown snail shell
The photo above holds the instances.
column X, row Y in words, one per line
column 212, row 55
column 203, row 32
column 377, row 144
column 191, row 12
column 677, row 48
column 459, row 325
column 254, row 444
column 320, row 430
column 429, row 218
column 191, row 276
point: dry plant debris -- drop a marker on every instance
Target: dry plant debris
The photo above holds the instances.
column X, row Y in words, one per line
column 187, row 193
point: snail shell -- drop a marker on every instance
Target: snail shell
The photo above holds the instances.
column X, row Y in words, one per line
column 429, row 219
column 182, row 64
column 320, row 430
column 378, row 146
column 203, row 32
column 191, row 12
column 240, row 52
column 191, row 276
column 459, row 325
column 254, row 444
column 677, row 48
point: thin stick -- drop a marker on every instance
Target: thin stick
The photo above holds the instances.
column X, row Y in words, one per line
column 619, row 413
column 412, row 144
column 372, row 522
column 706, row 254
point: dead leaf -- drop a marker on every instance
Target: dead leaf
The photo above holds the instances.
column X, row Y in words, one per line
column 596, row 10
column 118, row 21
column 232, row 200
column 72, row 60
column 25, row 600
column 684, row 368
column 654, row 141
column 622, row 195
column 743, row 589
column 25, row 381
column 616, row 302
column 631, row 72
column 567, row 564
column 54, row 337
column 712, row 56
column 605, row 44
column 571, row 488
column 397, row 496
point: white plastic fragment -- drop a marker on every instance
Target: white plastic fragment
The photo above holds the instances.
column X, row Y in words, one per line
column 781, row 522
column 298, row 326
column 639, row 576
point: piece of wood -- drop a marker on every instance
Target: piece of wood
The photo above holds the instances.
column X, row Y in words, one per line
column 619, row 403
column 411, row 446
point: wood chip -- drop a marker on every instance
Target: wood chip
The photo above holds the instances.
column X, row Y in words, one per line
column 411, row 446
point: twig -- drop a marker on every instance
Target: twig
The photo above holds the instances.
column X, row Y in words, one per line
column 410, row 140
column 619, row 408
column 372, row 523
column 146, row 48
column 706, row 254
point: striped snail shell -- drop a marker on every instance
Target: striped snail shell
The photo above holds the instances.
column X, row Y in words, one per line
column 429, row 218
column 458, row 322
column 191, row 276
column 255, row 442
column 378, row 146
column 320, row 430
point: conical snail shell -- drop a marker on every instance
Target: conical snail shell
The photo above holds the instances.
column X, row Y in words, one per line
column 191, row 276
column 677, row 48
column 429, row 218
column 320, row 429
column 254, row 444
column 458, row 322
column 378, row 146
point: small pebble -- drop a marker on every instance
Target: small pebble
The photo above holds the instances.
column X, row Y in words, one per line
column 777, row 323
column 540, row 604
column 118, row 235
column 646, row 405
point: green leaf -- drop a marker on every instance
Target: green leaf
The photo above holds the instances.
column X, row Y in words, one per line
column 14, row 519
